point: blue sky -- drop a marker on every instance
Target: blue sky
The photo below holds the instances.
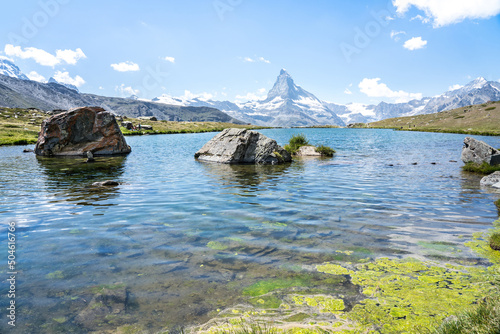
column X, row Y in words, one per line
column 342, row 51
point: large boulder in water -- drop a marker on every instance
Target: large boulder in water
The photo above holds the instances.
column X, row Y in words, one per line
column 81, row 130
column 241, row 146
column 478, row 152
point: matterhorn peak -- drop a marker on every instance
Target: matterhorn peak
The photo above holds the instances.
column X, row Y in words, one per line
column 284, row 87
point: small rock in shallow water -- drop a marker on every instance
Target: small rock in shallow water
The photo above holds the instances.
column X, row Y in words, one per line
column 28, row 150
column 107, row 183
column 90, row 157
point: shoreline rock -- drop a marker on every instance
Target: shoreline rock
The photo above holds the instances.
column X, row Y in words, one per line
column 478, row 152
column 241, row 146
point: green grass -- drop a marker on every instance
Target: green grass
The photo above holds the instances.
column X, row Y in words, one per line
column 497, row 203
column 490, row 108
column 325, row 150
column 495, row 241
column 483, row 169
column 296, row 142
column 21, row 126
column 168, row 127
column 483, row 319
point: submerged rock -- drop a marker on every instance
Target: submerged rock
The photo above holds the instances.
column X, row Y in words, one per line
column 104, row 304
column 241, row 146
column 491, row 179
column 478, row 152
column 107, row 183
column 81, row 130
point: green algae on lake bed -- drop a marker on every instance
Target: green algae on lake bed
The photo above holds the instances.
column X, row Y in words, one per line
column 400, row 296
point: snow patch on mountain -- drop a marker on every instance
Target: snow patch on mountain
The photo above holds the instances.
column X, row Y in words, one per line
column 8, row 68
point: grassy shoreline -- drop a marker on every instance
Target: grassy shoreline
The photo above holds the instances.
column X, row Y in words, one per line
column 481, row 119
column 21, row 126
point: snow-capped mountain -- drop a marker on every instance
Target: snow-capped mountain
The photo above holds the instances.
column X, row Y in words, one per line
column 477, row 91
column 286, row 105
column 290, row 105
column 8, row 68
column 52, row 80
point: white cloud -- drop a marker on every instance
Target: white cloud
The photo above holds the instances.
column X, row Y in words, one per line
column 415, row 43
column 262, row 59
column 259, row 59
column 126, row 66
column 169, row 59
column 43, row 57
column 455, row 87
column 36, row 77
column 421, row 18
column 373, row 88
column 64, row 77
column 69, row 56
column 126, row 91
column 445, row 12
column 256, row 96
column 347, row 91
column 40, row 56
column 395, row 35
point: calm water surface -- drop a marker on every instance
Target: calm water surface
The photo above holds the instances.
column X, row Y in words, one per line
column 186, row 237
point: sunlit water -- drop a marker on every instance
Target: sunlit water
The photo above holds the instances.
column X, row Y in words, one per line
column 186, row 237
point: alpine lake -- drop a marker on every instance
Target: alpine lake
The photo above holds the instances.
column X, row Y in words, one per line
column 181, row 245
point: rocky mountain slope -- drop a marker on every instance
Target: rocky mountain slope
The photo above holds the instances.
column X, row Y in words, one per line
column 17, row 91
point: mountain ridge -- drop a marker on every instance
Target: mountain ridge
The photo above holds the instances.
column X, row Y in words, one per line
column 18, row 91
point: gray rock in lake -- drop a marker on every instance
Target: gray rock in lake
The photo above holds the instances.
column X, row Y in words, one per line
column 241, row 146
column 478, row 152
column 491, row 179
column 308, row 151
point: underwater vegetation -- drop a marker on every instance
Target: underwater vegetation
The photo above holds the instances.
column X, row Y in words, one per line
column 395, row 296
